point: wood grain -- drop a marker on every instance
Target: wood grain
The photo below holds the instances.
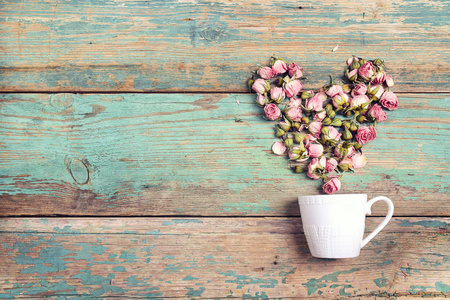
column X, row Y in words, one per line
column 257, row 258
column 179, row 46
column 204, row 155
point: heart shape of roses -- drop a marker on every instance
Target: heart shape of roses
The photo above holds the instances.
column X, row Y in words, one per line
column 323, row 131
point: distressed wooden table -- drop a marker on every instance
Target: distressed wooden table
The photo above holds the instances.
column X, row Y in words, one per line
column 124, row 174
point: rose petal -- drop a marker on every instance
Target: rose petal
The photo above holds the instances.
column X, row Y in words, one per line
column 237, row 101
column 279, row 148
column 335, row 48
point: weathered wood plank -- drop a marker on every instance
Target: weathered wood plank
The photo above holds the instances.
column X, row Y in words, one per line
column 263, row 258
column 163, row 154
column 182, row 46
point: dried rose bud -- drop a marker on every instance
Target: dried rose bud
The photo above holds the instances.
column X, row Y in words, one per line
column 376, row 91
column 379, row 78
column 344, row 167
column 307, row 95
column 305, row 120
column 331, row 186
column 316, row 102
column 366, row 70
column 361, row 118
column 366, row 134
column 260, row 86
column 346, row 88
column 298, row 137
column 279, row 66
column 346, row 124
column 292, row 88
column 353, row 127
column 277, row 94
column 266, row 72
column 352, row 75
column 288, row 142
column 340, row 100
column 326, row 121
column 279, row 132
column 294, row 70
column 335, row 90
column 389, row 100
column 377, row 113
column 285, row 125
column 332, row 114
column 315, row 150
column 296, row 125
column 272, row 112
column 336, row 122
column 294, row 114
column 325, row 130
column 389, row 81
column 347, row 134
column 299, row 169
column 359, row 89
column 261, row 99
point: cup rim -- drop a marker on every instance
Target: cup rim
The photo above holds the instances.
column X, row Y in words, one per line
column 330, row 196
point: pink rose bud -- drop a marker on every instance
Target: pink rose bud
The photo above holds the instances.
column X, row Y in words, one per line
column 307, row 94
column 359, row 89
column 335, row 90
column 279, row 67
column 338, row 151
column 333, row 133
column 310, row 138
column 332, row 186
column 316, row 102
column 272, row 111
column 389, row 100
column 358, row 160
column 266, row 73
column 389, row 81
column 320, row 116
column 359, row 100
column 261, row 99
column 352, row 75
column 279, row 148
column 351, row 59
column 366, row 134
column 294, row 114
column 377, row 113
column 315, row 166
column 376, row 90
column 294, row 71
column 340, row 100
column 314, row 150
column 378, row 79
column 294, row 102
column 315, row 128
column 331, row 165
column 285, row 125
column 366, row 71
column 277, row 94
column 260, row 86
column 293, row 88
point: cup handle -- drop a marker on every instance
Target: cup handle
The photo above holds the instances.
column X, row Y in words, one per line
column 385, row 220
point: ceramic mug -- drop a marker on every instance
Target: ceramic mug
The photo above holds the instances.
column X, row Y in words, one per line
column 334, row 224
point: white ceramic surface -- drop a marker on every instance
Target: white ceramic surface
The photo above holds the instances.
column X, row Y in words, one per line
column 334, row 224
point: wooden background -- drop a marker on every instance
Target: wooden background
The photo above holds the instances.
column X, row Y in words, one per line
column 134, row 164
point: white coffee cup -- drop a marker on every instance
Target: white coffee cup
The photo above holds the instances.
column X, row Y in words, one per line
column 334, row 224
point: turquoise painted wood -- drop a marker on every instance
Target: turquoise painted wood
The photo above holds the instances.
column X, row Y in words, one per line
column 180, row 46
column 215, row 258
column 179, row 154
